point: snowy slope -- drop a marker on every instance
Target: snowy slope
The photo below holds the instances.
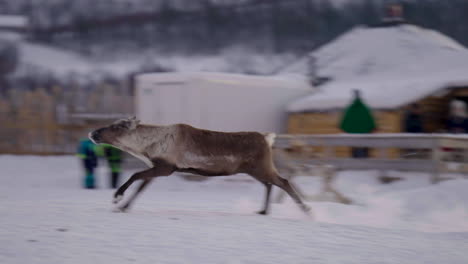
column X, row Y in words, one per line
column 402, row 63
column 233, row 60
column 47, row 218
column 53, row 59
column 61, row 62
column 45, row 58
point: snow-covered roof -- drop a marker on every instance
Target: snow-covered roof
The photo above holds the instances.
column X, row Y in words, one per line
column 392, row 66
column 11, row 21
column 226, row 78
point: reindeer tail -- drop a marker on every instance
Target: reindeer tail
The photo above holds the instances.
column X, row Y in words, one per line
column 270, row 138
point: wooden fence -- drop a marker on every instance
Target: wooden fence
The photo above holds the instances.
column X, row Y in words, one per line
column 431, row 153
column 52, row 121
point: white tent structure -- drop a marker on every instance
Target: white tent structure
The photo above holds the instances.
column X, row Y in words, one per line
column 217, row 101
column 391, row 66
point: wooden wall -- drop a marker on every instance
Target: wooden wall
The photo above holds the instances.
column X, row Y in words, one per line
column 434, row 109
column 29, row 122
column 328, row 123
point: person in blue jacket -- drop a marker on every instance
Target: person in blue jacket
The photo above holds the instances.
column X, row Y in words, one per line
column 114, row 160
column 87, row 153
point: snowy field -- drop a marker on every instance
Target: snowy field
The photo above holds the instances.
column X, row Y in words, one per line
column 45, row 217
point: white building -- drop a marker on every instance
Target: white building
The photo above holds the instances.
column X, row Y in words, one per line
column 217, row 101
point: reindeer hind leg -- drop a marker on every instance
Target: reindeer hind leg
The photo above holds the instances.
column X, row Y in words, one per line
column 266, row 205
column 286, row 186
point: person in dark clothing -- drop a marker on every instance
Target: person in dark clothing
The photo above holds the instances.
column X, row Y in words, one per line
column 457, row 122
column 413, row 122
column 114, row 159
column 358, row 119
column 87, row 153
column 457, row 125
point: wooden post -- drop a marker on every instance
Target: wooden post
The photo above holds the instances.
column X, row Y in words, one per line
column 328, row 152
column 436, row 160
column 383, row 154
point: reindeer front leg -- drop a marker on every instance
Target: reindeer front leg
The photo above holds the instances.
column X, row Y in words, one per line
column 146, row 174
column 160, row 169
column 140, row 188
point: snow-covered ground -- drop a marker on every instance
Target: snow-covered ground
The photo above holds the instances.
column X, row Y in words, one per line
column 45, row 217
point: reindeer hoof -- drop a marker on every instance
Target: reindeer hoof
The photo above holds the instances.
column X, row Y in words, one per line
column 117, row 198
column 263, row 212
column 120, row 209
column 307, row 209
column 346, row 201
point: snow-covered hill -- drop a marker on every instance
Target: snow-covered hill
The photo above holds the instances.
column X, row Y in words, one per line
column 54, row 60
column 60, row 62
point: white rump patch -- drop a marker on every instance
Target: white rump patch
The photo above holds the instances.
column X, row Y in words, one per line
column 270, row 138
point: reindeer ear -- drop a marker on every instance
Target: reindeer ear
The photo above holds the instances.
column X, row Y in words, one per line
column 133, row 123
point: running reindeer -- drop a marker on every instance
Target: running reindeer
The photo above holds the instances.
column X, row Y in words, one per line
column 183, row 148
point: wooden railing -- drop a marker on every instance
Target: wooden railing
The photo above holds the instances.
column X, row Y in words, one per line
column 431, row 153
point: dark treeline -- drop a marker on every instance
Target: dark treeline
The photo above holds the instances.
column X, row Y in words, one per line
column 206, row 26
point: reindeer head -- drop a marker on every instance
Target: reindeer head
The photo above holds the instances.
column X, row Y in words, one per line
column 111, row 134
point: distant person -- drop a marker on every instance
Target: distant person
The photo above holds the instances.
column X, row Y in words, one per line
column 413, row 122
column 457, row 121
column 86, row 152
column 114, row 160
column 358, row 119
